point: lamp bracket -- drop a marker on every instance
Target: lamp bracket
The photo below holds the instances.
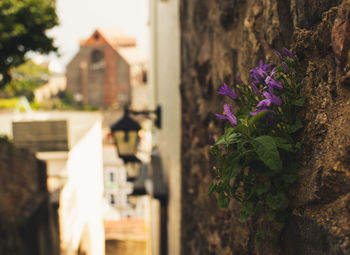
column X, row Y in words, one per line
column 157, row 112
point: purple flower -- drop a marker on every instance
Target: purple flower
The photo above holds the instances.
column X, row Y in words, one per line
column 272, row 83
column 260, row 110
column 262, row 66
column 279, row 55
column 239, row 79
column 288, row 53
column 274, row 70
column 227, row 91
column 228, row 115
column 270, row 98
column 274, row 100
column 254, row 88
column 212, row 140
column 259, row 73
column 285, row 67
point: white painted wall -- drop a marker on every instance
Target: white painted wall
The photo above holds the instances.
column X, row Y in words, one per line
column 81, row 198
column 80, row 170
column 165, row 79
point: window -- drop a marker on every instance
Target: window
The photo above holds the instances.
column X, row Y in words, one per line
column 97, row 60
column 144, row 76
column 111, row 177
column 111, row 199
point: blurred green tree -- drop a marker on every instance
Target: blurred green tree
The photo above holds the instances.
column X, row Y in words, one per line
column 25, row 79
column 23, row 24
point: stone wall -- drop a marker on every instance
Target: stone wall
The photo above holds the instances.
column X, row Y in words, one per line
column 221, row 39
column 26, row 217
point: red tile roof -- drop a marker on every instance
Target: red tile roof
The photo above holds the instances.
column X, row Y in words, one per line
column 120, row 42
column 114, row 37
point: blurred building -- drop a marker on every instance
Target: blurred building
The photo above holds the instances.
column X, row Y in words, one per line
column 70, row 144
column 125, row 215
column 126, row 237
column 55, row 85
column 106, row 70
column 165, row 80
column 117, row 188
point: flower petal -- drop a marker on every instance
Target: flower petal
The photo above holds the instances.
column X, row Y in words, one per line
column 227, row 91
column 260, row 110
column 229, row 113
column 288, row 53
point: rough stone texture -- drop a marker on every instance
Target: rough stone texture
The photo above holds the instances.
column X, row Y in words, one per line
column 26, row 218
column 221, row 39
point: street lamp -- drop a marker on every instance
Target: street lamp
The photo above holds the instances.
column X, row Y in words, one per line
column 139, row 184
column 125, row 135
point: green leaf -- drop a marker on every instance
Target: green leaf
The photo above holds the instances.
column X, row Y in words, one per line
column 258, row 238
column 284, row 144
column 277, row 202
column 230, row 165
column 230, row 171
column 299, row 102
column 246, row 211
column 257, row 117
column 241, row 128
column 229, row 137
column 266, row 149
column 270, row 215
column 243, row 216
column 296, row 126
column 212, row 188
column 263, row 187
column 223, row 201
column 289, row 178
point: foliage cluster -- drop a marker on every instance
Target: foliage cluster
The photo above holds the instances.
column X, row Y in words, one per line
column 23, row 28
column 257, row 156
column 25, row 79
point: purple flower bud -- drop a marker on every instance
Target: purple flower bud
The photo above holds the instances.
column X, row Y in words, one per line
column 272, row 83
column 264, row 102
column 285, row 67
column 258, row 74
column 228, row 115
column 273, row 72
column 254, row 88
column 239, row 79
column 212, row 140
column 262, row 66
column 270, row 98
column 279, row 55
column 270, row 95
column 225, row 90
column 288, row 53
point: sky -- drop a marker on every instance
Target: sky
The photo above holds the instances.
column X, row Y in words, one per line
column 79, row 19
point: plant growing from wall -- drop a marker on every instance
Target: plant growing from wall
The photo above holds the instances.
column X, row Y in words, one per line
column 257, row 156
